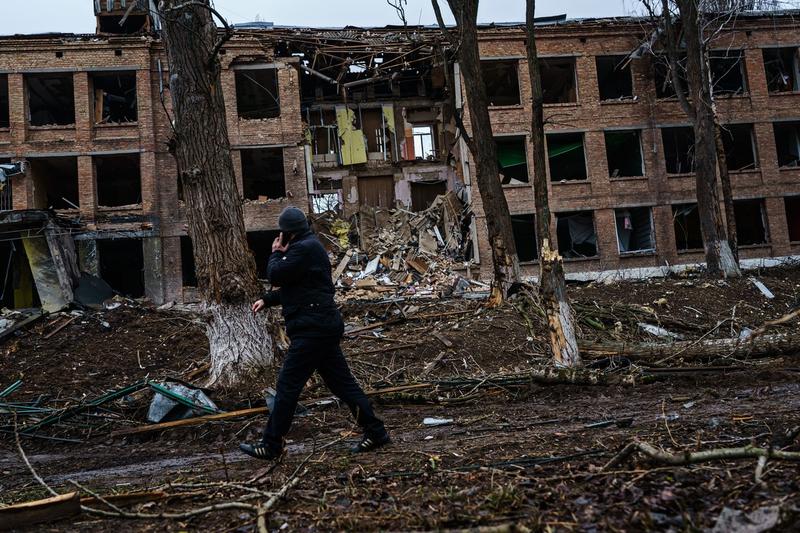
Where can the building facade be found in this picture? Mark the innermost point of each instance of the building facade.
(354, 119)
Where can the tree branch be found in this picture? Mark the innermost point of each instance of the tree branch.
(442, 26)
(672, 57)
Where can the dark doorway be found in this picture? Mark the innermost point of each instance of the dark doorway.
(423, 193)
(122, 265)
(18, 287)
(376, 191)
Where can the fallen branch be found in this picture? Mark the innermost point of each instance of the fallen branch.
(689, 458)
(766, 345)
(189, 421)
(40, 511)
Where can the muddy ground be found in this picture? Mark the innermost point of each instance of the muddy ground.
(512, 455)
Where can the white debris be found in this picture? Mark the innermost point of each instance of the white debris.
(763, 288)
(429, 421)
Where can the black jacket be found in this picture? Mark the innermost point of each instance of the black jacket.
(301, 278)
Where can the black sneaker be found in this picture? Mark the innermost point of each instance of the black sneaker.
(368, 444)
(260, 451)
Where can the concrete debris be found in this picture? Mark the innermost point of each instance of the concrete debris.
(401, 253)
(763, 288)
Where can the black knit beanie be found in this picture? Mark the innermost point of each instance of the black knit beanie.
(292, 220)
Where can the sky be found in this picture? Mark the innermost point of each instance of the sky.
(77, 16)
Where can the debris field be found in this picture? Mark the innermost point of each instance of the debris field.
(483, 435)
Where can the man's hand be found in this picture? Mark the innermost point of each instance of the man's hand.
(258, 306)
(277, 246)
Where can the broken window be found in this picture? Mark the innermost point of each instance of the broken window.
(55, 182)
(782, 68)
(686, 223)
(566, 156)
(260, 243)
(257, 93)
(327, 195)
(727, 72)
(423, 193)
(614, 77)
(188, 268)
(624, 153)
(122, 265)
(751, 222)
(262, 173)
(111, 24)
(792, 205)
(634, 229)
(740, 146)
(787, 142)
(51, 100)
(114, 97)
(5, 121)
(678, 149)
(502, 82)
(524, 228)
(663, 77)
(324, 134)
(558, 80)
(512, 160)
(576, 234)
(118, 180)
(424, 147)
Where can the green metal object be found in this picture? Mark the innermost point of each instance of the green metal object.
(183, 400)
(78, 409)
(11, 388)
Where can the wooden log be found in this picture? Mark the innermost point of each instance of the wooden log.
(40, 511)
(760, 346)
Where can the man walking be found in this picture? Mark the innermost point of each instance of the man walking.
(300, 274)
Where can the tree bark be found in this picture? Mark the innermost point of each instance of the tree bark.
(719, 257)
(226, 272)
(727, 191)
(756, 346)
(484, 152)
(552, 285)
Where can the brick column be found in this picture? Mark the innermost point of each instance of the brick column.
(87, 187)
(147, 178)
(17, 107)
(665, 234)
(83, 110)
(22, 189)
(777, 225)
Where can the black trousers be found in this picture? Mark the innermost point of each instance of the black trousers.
(323, 355)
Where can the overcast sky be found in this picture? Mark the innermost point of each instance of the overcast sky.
(77, 16)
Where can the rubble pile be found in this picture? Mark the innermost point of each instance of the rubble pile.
(400, 253)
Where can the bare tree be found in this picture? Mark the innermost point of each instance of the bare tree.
(695, 96)
(226, 274)
(481, 144)
(552, 285)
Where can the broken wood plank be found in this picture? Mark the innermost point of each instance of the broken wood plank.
(189, 421)
(61, 326)
(342, 265)
(441, 338)
(40, 511)
(430, 366)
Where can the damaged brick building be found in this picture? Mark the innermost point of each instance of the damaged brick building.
(343, 119)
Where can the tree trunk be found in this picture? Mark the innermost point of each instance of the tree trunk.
(226, 272)
(552, 285)
(719, 257)
(484, 152)
(757, 346)
(727, 192)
